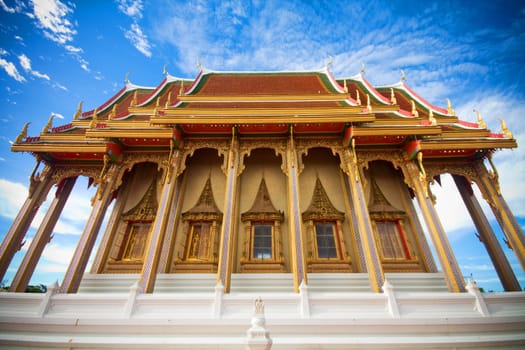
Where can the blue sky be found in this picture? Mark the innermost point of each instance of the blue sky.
(54, 54)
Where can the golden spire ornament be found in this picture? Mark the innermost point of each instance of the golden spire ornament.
(392, 97)
(504, 130)
(49, 124)
(481, 122)
(450, 110)
(23, 133)
(78, 113)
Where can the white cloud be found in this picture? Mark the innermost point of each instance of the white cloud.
(52, 18)
(131, 8)
(6, 8)
(11, 70)
(25, 62)
(12, 196)
(138, 39)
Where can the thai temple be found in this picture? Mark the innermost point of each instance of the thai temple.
(258, 210)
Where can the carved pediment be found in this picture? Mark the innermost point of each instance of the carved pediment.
(321, 208)
(146, 209)
(262, 208)
(380, 207)
(205, 209)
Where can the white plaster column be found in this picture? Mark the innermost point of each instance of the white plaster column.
(38, 190)
(42, 236)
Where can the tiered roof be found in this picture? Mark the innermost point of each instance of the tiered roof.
(263, 103)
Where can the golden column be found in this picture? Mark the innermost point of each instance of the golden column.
(416, 176)
(42, 236)
(487, 236)
(294, 215)
(363, 223)
(169, 195)
(224, 268)
(38, 190)
(489, 187)
(102, 198)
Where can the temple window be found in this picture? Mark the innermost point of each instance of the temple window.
(135, 241)
(262, 246)
(391, 239)
(201, 227)
(325, 248)
(262, 241)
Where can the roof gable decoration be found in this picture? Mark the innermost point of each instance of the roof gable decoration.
(262, 208)
(205, 209)
(321, 208)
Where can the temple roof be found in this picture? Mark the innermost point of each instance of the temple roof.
(263, 103)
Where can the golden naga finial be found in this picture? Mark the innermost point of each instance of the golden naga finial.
(126, 78)
(181, 90)
(49, 124)
(368, 105)
(505, 130)
(199, 65)
(23, 133)
(94, 120)
(450, 110)
(78, 113)
(345, 88)
(357, 98)
(135, 98)
(481, 122)
(392, 97)
(113, 112)
(403, 76)
(415, 113)
(362, 70)
(164, 70)
(168, 101)
(431, 118)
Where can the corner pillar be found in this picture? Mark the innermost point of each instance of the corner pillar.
(489, 187)
(363, 223)
(224, 268)
(38, 190)
(42, 236)
(487, 236)
(294, 216)
(81, 255)
(447, 260)
(169, 194)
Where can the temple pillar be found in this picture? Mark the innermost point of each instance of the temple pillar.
(487, 236)
(294, 216)
(169, 195)
(489, 187)
(81, 255)
(225, 264)
(363, 223)
(38, 190)
(42, 236)
(104, 245)
(447, 260)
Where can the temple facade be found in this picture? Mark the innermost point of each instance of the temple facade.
(297, 186)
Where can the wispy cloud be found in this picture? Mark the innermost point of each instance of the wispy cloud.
(138, 39)
(10, 68)
(25, 62)
(133, 9)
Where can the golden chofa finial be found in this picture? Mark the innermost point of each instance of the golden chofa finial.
(362, 70)
(126, 78)
(164, 70)
(23, 133)
(330, 62)
(357, 97)
(181, 90)
(49, 125)
(392, 97)
(199, 65)
(450, 110)
(415, 113)
(481, 122)
(403, 76)
(505, 130)
(78, 113)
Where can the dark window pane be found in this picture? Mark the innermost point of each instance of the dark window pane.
(262, 241)
(324, 233)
